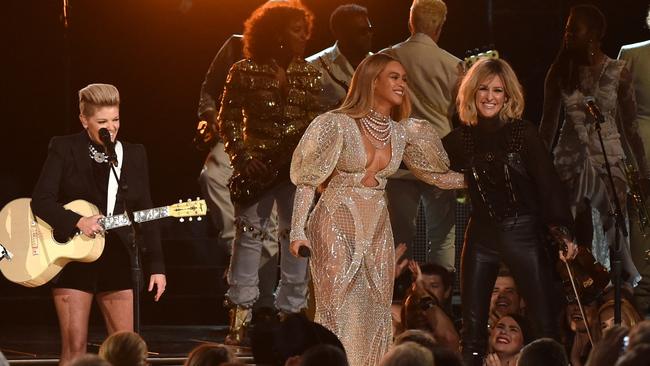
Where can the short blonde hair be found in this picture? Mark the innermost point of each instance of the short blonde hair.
(427, 16)
(97, 95)
(124, 349)
(482, 70)
(360, 97)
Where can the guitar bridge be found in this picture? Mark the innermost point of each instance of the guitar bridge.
(4, 253)
(35, 237)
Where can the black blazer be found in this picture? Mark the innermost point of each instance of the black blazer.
(67, 176)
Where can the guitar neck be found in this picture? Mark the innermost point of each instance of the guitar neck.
(115, 221)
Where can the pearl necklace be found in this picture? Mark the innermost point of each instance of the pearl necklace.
(377, 126)
(97, 156)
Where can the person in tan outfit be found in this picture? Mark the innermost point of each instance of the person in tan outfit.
(433, 77)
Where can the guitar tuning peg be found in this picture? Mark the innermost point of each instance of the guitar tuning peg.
(198, 198)
(189, 219)
(189, 200)
(180, 201)
(181, 219)
(199, 218)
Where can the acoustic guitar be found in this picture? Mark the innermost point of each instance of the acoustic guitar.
(29, 254)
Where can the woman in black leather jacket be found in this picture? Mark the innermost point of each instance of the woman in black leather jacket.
(516, 195)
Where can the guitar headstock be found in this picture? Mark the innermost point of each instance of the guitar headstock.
(188, 209)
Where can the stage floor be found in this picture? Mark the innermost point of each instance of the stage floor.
(168, 345)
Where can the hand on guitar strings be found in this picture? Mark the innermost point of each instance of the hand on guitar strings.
(90, 226)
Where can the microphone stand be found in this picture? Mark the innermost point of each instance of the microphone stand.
(615, 253)
(132, 246)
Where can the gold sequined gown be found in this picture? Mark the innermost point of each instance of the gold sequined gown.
(352, 260)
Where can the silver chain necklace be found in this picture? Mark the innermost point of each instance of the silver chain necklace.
(378, 127)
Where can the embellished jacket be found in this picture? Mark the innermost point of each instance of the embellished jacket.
(259, 120)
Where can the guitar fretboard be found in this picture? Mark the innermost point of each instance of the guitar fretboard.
(115, 221)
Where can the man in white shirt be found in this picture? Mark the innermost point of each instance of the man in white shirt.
(351, 27)
(637, 57)
(433, 75)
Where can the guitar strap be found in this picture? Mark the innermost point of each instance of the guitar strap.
(112, 182)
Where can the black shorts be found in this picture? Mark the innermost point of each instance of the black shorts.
(110, 272)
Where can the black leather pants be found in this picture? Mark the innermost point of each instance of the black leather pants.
(518, 244)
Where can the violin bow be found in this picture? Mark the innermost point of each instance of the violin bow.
(582, 311)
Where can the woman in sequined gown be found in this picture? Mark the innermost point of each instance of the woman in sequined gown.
(347, 154)
(580, 72)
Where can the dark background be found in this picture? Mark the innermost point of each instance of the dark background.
(157, 51)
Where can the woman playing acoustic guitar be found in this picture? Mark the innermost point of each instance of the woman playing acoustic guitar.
(76, 168)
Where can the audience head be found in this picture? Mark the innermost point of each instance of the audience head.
(274, 342)
(124, 349)
(277, 30)
(490, 89)
(407, 354)
(605, 318)
(640, 334)
(210, 355)
(351, 27)
(505, 296)
(428, 17)
(437, 281)
(509, 335)
(324, 355)
(638, 356)
(421, 337)
(543, 352)
(88, 359)
(441, 355)
(375, 81)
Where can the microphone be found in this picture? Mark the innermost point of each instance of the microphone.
(304, 252)
(109, 146)
(590, 103)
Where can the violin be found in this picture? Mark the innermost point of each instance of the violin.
(589, 275)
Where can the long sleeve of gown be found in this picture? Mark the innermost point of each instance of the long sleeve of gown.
(313, 162)
(426, 158)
